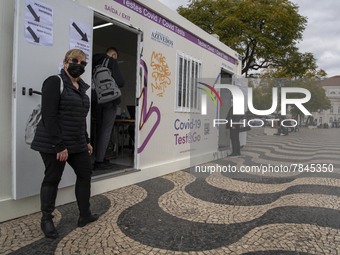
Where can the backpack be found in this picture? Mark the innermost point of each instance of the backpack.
(105, 86)
(35, 117)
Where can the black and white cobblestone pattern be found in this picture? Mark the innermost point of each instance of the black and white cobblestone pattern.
(225, 213)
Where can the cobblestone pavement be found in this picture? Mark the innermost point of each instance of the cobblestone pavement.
(283, 203)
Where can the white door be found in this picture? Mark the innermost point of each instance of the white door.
(44, 31)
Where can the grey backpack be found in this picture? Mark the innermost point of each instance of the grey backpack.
(105, 86)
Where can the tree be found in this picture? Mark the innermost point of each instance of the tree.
(262, 94)
(265, 33)
(296, 66)
(299, 70)
(318, 102)
(262, 31)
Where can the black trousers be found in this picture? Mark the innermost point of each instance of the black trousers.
(81, 164)
(235, 140)
(105, 119)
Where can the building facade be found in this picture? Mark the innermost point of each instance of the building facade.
(330, 117)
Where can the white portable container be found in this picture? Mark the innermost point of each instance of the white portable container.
(163, 58)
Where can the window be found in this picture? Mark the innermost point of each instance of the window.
(188, 73)
(338, 109)
(331, 109)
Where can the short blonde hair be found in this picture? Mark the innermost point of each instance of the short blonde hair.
(74, 53)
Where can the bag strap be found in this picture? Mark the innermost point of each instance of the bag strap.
(61, 84)
(106, 62)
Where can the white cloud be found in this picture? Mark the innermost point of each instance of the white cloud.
(174, 4)
(321, 36)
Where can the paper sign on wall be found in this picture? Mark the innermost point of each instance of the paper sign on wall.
(80, 36)
(38, 23)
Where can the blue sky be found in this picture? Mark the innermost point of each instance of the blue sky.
(321, 36)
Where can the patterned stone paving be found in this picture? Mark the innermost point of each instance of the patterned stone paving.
(201, 213)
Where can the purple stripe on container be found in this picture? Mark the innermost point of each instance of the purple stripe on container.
(155, 17)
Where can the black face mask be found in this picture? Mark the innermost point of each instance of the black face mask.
(75, 70)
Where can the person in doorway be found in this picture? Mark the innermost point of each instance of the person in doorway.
(234, 132)
(106, 113)
(61, 137)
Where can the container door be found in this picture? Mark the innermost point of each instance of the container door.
(44, 31)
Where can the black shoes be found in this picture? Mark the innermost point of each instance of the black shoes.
(84, 220)
(48, 228)
(102, 165)
(234, 155)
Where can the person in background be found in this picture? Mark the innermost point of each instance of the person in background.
(234, 132)
(281, 130)
(61, 137)
(106, 113)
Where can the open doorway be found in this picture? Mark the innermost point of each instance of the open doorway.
(120, 154)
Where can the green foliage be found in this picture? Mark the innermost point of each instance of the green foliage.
(319, 100)
(262, 94)
(265, 33)
(262, 31)
(296, 66)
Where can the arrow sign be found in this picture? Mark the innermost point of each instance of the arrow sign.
(83, 35)
(36, 17)
(35, 37)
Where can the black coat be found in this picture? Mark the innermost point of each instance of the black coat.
(235, 118)
(63, 123)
